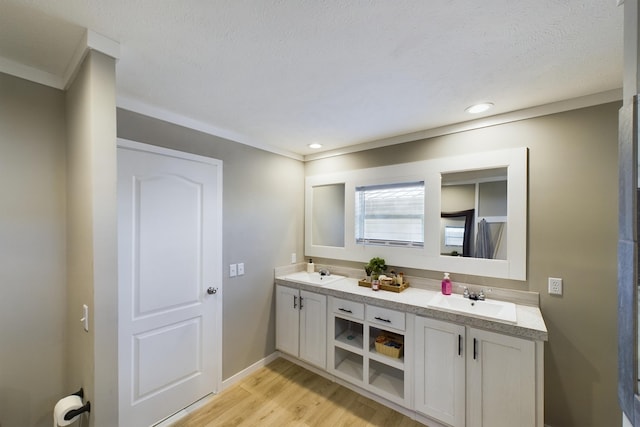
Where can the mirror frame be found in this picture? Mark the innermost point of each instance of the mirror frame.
(431, 171)
(628, 218)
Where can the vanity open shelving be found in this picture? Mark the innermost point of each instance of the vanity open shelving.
(347, 349)
(352, 352)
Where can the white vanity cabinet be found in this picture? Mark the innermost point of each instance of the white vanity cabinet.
(440, 370)
(301, 324)
(471, 377)
(352, 353)
(501, 380)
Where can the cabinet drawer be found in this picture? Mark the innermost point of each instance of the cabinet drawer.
(386, 317)
(347, 308)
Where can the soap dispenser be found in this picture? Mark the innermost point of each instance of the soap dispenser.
(446, 285)
(311, 267)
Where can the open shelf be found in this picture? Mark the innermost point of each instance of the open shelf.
(396, 362)
(348, 334)
(349, 364)
(386, 379)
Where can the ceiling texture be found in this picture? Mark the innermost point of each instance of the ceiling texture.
(281, 74)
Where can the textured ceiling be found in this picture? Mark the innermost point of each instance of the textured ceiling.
(284, 73)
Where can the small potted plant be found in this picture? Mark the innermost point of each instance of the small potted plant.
(375, 267)
(367, 271)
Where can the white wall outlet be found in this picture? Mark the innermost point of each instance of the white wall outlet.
(555, 286)
(233, 270)
(293, 258)
(240, 268)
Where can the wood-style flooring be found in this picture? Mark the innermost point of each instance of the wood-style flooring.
(285, 394)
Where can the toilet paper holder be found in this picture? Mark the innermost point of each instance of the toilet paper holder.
(85, 408)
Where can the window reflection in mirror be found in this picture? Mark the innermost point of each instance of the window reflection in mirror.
(328, 215)
(390, 214)
(474, 204)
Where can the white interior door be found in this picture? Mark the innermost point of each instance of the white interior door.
(169, 290)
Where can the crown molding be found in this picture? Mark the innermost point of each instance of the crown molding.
(528, 113)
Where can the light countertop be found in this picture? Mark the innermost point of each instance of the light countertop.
(529, 325)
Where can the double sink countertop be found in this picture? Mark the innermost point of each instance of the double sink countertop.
(419, 300)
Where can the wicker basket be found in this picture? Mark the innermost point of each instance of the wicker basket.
(389, 346)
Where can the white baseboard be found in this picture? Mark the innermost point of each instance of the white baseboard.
(249, 370)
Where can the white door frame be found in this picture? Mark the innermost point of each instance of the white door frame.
(133, 145)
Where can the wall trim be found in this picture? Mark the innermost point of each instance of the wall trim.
(89, 41)
(513, 116)
(140, 107)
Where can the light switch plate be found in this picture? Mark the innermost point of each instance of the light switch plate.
(233, 270)
(85, 317)
(240, 268)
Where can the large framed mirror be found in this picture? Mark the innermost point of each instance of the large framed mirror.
(420, 220)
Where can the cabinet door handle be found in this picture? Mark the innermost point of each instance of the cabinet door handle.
(459, 345)
(475, 349)
(382, 320)
(295, 301)
(301, 303)
(345, 310)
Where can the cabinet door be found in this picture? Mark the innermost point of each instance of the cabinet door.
(287, 318)
(501, 389)
(440, 370)
(313, 328)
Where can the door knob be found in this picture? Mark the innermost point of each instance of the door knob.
(212, 291)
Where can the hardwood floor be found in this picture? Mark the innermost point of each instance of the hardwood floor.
(285, 394)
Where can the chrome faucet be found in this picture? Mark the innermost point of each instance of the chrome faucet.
(475, 296)
(324, 272)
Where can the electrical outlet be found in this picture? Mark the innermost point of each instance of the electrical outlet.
(240, 268)
(555, 286)
(233, 270)
(293, 258)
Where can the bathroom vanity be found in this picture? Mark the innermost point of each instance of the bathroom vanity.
(442, 364)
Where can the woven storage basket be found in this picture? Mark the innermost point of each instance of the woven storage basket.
(389, 346)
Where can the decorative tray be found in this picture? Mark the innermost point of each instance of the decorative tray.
(384, 287)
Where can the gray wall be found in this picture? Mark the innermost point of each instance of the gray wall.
(262, 225)
(32, 252)
(572, 234)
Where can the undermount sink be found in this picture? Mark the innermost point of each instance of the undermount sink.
(487, 309)
(312, 278)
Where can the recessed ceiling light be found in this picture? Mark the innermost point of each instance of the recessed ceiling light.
(479, 108)
(315, 145)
